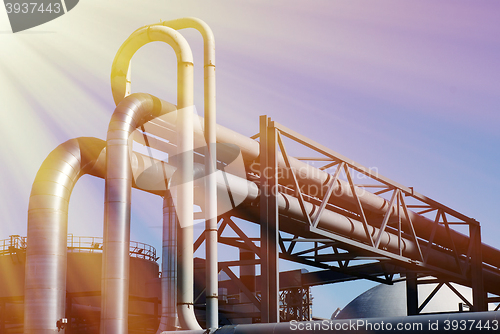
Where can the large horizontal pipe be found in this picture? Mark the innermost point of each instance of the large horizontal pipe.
(233, 190)
(419, 324)
(247, 191)
(48, 212)
(316, 180)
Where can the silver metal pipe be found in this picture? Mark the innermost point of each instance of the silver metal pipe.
(131, 113)
(419, 324)
(316, 180)
(120, 79)
(334, 222)
(50, 191)
(46, 264)
(46, 255)
(348, 227)
(169, 319)
(210, 211)
(248, 146)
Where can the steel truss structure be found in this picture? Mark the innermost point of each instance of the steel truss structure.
(296, 304)
(341, 256)
(320, 217)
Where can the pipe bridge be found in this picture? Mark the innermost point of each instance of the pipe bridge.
(317, 208)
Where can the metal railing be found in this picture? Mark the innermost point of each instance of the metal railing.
(11, 245)
(79, 244)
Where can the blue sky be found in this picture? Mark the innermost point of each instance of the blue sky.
(409, 88)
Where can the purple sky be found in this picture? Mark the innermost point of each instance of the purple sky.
(409, 88)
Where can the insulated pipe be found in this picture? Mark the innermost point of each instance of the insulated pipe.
(315, 179)
(337, 223)
(210, 211)
(45, 281)
(130, 113)
(51, 190)
(418, 324)
(46, 265)
(120, 79)
(168, 319)
(226, 135)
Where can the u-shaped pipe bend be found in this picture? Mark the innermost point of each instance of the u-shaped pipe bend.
(46, 255)
(118, 181)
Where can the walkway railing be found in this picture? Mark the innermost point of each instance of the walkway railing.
(80, 245)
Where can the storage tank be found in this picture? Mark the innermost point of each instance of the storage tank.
(83, 295)
(390, 301)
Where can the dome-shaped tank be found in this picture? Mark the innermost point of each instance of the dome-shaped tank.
(390, 301)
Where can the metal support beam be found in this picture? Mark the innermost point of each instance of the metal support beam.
(269, 222)
(411, 294)
(478, 293)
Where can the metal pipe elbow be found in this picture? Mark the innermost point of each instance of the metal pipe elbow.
(120, 70)
(46, 255)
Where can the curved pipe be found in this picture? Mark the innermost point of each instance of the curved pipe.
(120, 69)
(120, 81)
(46, 255)
(210, 209)
(51, 192)
(46, 264)
(293, 222)
(131, 113)
(418, 324)
(317, 180)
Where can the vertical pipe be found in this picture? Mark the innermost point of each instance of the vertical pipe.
(45, 281)
(212, 318)
(168, 320)
(131, 113)
(211, 239)
(185, 197)
(264, 238)
(184, 122)
(273, 224)
(116, 234)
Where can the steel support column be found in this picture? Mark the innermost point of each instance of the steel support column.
(479, 297)
(411, 293)
(247, 272)
(269, 222)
